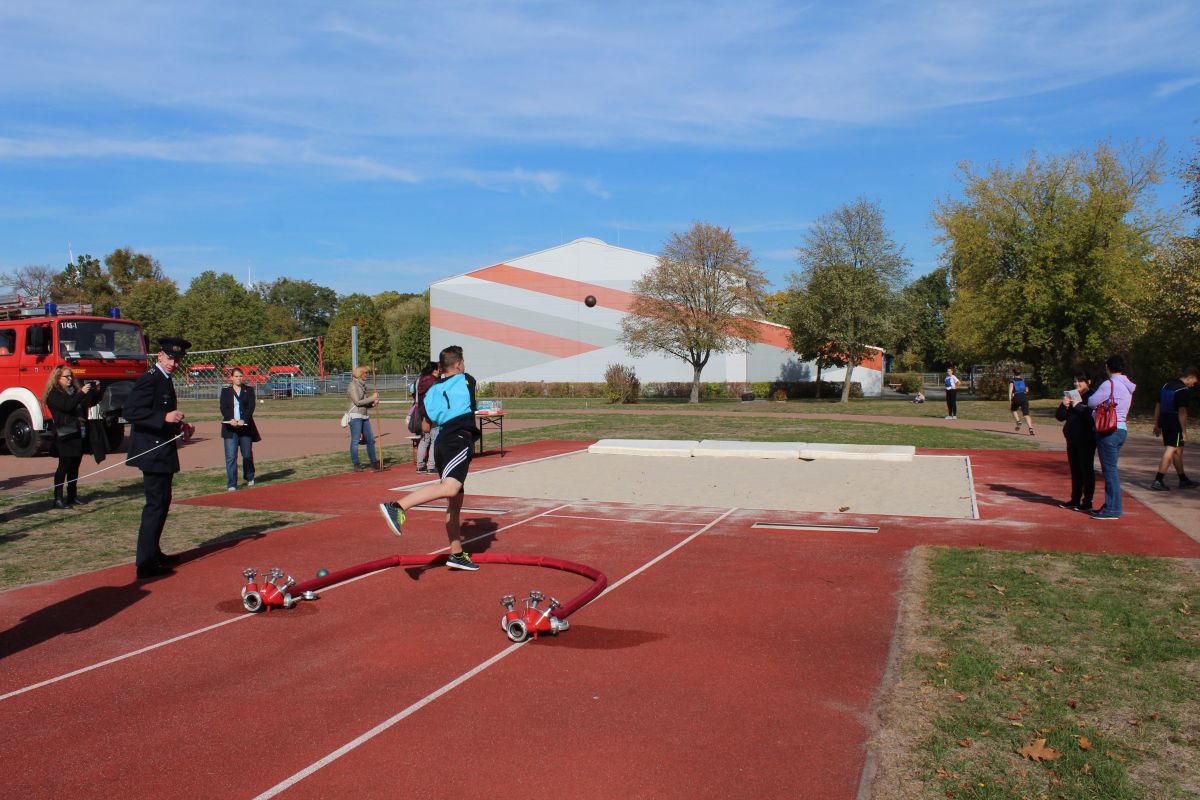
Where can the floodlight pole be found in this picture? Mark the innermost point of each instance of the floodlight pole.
(353, 347)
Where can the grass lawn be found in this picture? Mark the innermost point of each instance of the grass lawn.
(1094, 657)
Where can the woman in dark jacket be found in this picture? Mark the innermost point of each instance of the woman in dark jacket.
(1080, 433)
(238, 429)
(68, 402)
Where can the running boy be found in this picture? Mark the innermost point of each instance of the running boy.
(1170, 418)
(450, 405)
(1018, 401)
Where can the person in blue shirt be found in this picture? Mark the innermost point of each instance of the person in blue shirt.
(952, 383)
(1018, 401)
(1170, 419)
(450, 405)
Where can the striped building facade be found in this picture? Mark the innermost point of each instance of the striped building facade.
(526, 320)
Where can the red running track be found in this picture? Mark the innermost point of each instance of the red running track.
(741, 663)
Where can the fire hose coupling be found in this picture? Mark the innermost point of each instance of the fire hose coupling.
(519, 625)
(273, 591)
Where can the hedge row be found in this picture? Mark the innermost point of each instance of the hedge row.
(910, 382)
(766, 390)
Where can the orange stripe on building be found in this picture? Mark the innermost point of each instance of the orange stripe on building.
(508, 275)
(510, 335)
(773, 335)
(554, 286)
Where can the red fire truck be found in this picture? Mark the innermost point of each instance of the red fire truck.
(33, 342)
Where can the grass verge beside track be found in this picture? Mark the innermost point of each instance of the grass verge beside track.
(39, 542)
(1094, 655)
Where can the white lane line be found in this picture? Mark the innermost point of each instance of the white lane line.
(629, 521)
(353, 744)
(971, 487)
(222, 623)
(387, 723)
(419, 484)
(121, 657)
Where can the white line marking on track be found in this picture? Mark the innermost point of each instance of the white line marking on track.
(222, 623)
(629, 521)
(291, 781)
(408, 486)
(971, 487)
(121, 657)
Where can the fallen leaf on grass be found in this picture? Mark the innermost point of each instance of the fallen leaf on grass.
(999, 589)
(1038, 751)
(1012, 715)
(1028, 570)
(1185, 608)
(959, 696)
(1116, 757)
(1085, 743)
(964, 742)
(1072, 703)
(1057, 668)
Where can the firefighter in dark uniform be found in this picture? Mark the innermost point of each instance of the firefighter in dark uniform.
(154, 423)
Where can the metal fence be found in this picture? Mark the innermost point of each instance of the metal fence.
(284, 387)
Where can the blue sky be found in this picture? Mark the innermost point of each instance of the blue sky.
(384, 145)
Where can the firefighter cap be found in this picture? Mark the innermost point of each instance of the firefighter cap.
(174, 347)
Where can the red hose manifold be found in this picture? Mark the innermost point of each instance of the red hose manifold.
(518, 625)
(273, 591)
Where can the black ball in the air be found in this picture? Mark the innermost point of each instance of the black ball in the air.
(590, 301)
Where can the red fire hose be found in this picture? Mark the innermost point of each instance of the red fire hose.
(517, 624)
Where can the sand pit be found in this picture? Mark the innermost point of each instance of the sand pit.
(927, 486)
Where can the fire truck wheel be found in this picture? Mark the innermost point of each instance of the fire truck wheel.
(19, 436)
(115, 434)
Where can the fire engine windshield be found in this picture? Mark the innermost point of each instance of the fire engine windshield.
(93, 338)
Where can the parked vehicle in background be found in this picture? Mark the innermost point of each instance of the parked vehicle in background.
(254, 374)
(111, 352)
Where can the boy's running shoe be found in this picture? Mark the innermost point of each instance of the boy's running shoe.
(1187, 483)
(1158, 486)
(461, 561)
(393, 514)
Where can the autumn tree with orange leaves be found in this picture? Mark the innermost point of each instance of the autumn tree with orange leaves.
(699, 299)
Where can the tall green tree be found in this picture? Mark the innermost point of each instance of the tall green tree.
(218, 312)
(126, 268)
(311, 305)
(84, 281)
(355, 310)
(699, 299)
(811, 315)
(153, 302)
(849, 264)
(921, 321)
(1171, 306)
(411, 342)
(1050, 258)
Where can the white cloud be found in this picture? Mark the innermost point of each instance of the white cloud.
(456, 75)
(1165, 90)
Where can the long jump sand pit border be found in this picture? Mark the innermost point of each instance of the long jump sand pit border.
(926, 486)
